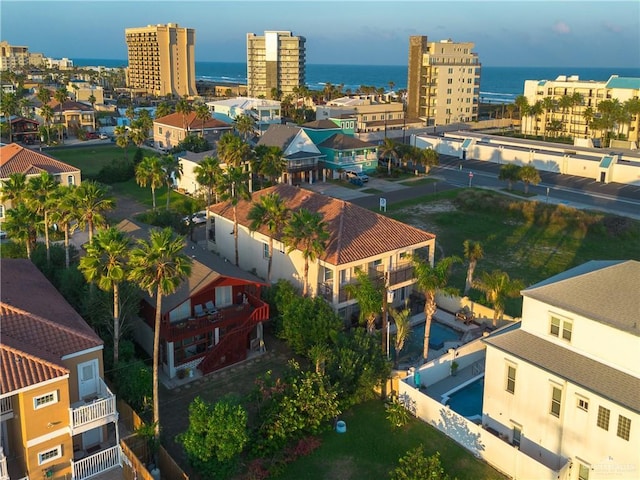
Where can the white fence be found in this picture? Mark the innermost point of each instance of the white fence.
(481, 443)
(96, 463)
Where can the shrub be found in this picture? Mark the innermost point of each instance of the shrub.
(119, 170)
(416, 465)
(164, 218)
(397, 414)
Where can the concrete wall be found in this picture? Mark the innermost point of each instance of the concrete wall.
(482, 314)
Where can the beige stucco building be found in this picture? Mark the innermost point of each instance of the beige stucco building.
(275, 60)
(443, 83)
(162, 59)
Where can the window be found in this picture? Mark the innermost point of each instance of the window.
(44, 400)
(624, 427)
(561, 324)
(583, 404)
(70, 180)
(603, 417)
(511, 379)
(160, 130)
(583, 472)
(556, 399)
(48, 455)
(450, 81)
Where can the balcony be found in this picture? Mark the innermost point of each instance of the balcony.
(93, 411)
(97, 463)
(6, 408)
(401, 274)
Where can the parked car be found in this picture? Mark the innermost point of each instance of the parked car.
(3, 235)
(92, 135)
(103, 136)
(197, 218)
(353, 174)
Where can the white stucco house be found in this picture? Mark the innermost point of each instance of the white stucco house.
(359, 239)
(189, 161)
(559, 393)
(264, 112)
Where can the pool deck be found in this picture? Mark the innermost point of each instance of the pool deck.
(438, 389)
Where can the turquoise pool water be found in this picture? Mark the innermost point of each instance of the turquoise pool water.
(468, 400)
(439, 334)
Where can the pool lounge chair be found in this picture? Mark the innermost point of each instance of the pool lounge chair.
(199, 311)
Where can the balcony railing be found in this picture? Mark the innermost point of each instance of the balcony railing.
(95, 411)
(97, 463)
(4, 472)
(6, 406)
(401, 274)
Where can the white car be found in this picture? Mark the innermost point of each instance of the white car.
(197, 218)
(351, 174)
(103, 136)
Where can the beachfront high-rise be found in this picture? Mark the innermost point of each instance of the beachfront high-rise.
(275, 63)
(162, 59)
(443, 84)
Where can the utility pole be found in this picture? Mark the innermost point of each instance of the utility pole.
(385, 315)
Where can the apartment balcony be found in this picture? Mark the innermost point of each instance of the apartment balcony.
(93, 411)
(6, 408)
(98, 463)
(401, 274)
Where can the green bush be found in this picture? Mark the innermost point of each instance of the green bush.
(119, 171)
(164, 218)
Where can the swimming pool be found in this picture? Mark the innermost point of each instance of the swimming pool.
(439, 334)
(467, 401)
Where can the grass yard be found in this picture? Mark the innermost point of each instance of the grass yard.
(370, 449)
(91, 159)
(372, 190)
(419, 181)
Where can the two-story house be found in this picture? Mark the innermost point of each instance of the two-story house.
(72, 115)
(565, 386)
(15, 158)
(359, 240)
(170, 130)
(58, 418)
(344, 152)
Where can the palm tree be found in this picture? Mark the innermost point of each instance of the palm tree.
(534, 111)
(92, 101)
(510, 173)
(14, 189)
(150, 172)
(65, 215)
(44, 95)
(548, 105)
(472, 252)
(184, 108)
(207, 174)
(21, 225)
(203, 114)
(306, 231)
(92, 201)
(46, 112)
(39, 194)
(403, 330)
(389, 150)
(159, 266)
(122, 138)
(271, 162)
(430, 279)
(163, 110)
(497, 287)
(172, 171)
(369, 295)
(272, 212)
(61, 95)
(232, 150)
(245, 125)
(105, 264)
(9, 107)
(529, 175)
(233, 186)
(139, 132)
(522, 104)
(588, 115)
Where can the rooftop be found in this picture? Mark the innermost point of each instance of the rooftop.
(15, 158)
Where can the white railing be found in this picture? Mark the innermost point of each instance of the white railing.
(4, 472)
(97, 463)
(6, 405)
(102, 407)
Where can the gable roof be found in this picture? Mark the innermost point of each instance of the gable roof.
(56, 106)
(603, 380)
(605, 291)
(19, 369)
(15, 158)
(279, 136)
(191, 121)
(355, 233)
(340, 141)
(322, 124)
(206, 268)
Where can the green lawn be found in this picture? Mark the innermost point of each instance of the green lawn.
(419, 181)
(91, 159)
(370, 449)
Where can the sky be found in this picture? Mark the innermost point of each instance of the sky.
(369, 32)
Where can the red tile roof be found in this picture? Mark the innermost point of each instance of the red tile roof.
(19, 370)
(69, 105)
(193, 123)
(355, 232)
(17, 159)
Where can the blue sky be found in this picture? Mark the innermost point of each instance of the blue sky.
(506, 33)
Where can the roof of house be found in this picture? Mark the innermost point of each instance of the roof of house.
(197, 157)
(603, 380)
(355, 232)
(323, 124)
(67, 105)
(38, 325)
(340, 141)
(279, 136)
(206, 268)
(191, 121)
(246, 103)
(15, 158)
(605, 291)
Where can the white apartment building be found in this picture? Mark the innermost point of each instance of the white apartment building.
(572, 116)
(264, 112)
(565, 387)
(443, 83)
(275, 60)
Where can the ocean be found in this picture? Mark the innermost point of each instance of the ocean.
(497, 84)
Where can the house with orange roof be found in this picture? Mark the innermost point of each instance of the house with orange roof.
(15, 158)
(72, 115)
(170, 130)
(359, 240)
(58, 418)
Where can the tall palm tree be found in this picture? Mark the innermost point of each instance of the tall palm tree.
(233, 186)
(92, 201)
(272, 212)
(21, 225)
(430, 279)
(498, 287)
(369, 295)
(172, 171)
(245, 125)
(105, 264)
(159, 266)
(548, 105)
(184, 108)
(203, 114)
(44, 95)
(39, 194)
(92, 100)
(529, 175)
(389, 151)
(163, 110)
(472, 253)
(66, 215)
(403, 330)
(14, 189)
(61, 95)
(306, 231)
(139, 132)
(232, 150)
(150, 172)
(271, 162)
(122, 138)
(9, 107)
(46, 112)
(534, 111)
(208, 173)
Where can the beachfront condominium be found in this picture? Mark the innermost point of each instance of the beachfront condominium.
(162, 60)
(13, 57)
(275, 64)
(443, 84)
